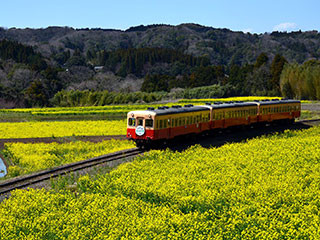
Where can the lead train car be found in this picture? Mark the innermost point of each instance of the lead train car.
(145, 127)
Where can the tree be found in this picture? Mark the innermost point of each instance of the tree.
(261, 59)
(275, 70)
(35, 94)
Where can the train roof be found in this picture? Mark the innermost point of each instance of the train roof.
(233, 105)
(179, 109)
(165, 110)
(282, 101)
(252, 103)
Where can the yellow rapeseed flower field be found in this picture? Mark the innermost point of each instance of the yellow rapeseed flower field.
(30, 157)
(265, 188)
(61, 128)
(121, 109)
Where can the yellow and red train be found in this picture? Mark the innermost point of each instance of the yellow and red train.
(151, 125)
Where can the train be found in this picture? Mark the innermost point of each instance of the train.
(153, 126)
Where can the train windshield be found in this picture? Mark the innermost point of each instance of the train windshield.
(149, 123)
(140, 122)
(132, 122)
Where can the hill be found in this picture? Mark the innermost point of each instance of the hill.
(148, 58)
(222, 46)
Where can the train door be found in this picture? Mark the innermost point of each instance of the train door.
(140, 121)
(140, 129)
(198, 117)
(170, 125)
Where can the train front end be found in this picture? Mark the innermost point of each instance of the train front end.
(140, 127)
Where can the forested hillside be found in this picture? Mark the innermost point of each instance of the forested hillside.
(35, 64)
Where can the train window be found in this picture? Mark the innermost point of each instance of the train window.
(165, 123)
(140, 122)
(149, 123)
(172, 123)
(160, 125)
(132, 122)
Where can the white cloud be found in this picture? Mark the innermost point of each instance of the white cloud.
(247, 30)
(285, 27)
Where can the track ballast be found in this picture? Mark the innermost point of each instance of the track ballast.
(27, 180)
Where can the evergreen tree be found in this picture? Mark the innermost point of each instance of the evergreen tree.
(275, 70)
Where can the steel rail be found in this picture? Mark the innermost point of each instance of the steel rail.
(27, 180)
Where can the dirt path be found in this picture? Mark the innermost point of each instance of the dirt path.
(314, 107)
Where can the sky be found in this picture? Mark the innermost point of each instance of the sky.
(247, 15)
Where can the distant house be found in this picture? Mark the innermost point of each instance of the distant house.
(98, 68)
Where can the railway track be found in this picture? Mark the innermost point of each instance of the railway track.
(308, 121)
(27, 180)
